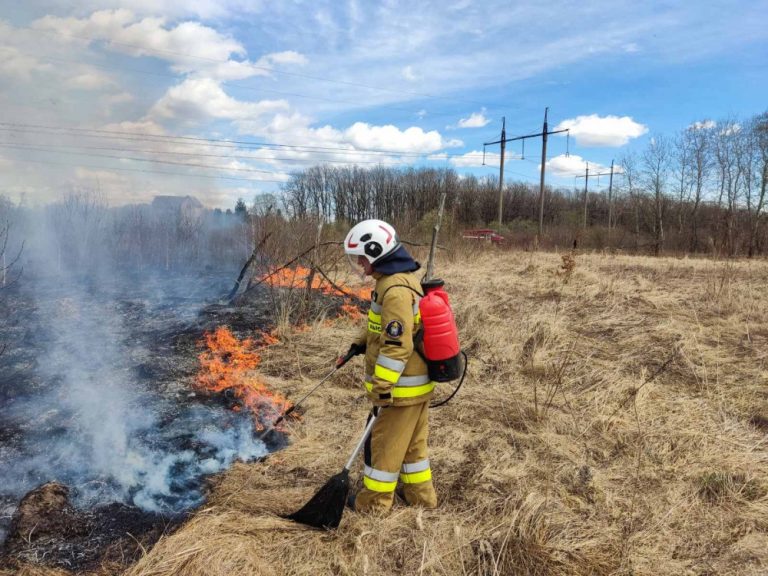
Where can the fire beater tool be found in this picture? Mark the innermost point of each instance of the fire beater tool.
(326, 507)
(341, 360)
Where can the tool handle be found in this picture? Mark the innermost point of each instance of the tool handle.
(353, 351)
(361, 442)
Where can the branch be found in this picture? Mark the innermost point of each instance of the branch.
(335, 287)
(248, 263)
(634, 392)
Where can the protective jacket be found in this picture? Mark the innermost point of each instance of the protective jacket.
(397, 449)
(394, 372)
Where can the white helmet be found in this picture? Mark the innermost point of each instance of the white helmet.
(373, 239)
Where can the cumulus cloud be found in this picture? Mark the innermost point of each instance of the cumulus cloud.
(197, 99)
(190, 47)
(391, 138)
(475, 120)
(475, 159)
(611, 131)
(18, 66)
(703, 125)
(91, 80)
(568, 166)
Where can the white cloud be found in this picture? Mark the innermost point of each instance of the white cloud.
(611, 131)
(390, 138)
(409, 74)
(476, 159)
(18, 66)
(191, 47)
(197, 99)
(569, 166)
(148, 36)
(475, 120)
(91, 80)
(704, 125)
(286, 57)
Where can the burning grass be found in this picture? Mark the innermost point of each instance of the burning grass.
(610, 424)
(228, 365)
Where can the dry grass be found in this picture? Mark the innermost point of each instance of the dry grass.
(611, 424)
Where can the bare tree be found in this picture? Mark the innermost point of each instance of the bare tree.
(10, 271)
(756, 188)
(655, 162)
(698, 139)
(727, 148)
(630, 171)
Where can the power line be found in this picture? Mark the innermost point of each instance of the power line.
(192, 140)
(143, 171)
(192, 165)
(196, 154)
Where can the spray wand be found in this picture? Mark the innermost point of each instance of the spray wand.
(340, 361)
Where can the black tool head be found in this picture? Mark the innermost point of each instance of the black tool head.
(325, 508)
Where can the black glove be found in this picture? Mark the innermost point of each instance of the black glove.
(353, 351)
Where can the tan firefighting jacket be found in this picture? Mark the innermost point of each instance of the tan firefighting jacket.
(394, 371)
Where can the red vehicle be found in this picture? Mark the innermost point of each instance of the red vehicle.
(483, 234)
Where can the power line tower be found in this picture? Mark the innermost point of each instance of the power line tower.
(586, 177)
(544, 133)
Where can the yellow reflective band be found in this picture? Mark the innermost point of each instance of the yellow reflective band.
(416, 477)
(374, 322)
(390, 376)
(407, 391)
(378, 485)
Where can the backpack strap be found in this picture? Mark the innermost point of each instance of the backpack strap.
(418, 335)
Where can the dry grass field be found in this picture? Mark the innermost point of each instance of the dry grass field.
(614, 421)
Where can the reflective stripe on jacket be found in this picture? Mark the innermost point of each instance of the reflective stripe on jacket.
(393, 368)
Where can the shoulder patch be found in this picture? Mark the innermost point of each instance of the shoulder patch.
(394, 329)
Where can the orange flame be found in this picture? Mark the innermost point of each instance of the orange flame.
(299, 276)
(228, 363)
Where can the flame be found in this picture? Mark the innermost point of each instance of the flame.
(228, 363)
(298, 277)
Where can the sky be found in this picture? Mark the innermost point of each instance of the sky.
(223, 99)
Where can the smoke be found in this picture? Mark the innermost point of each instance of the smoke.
(82, 415)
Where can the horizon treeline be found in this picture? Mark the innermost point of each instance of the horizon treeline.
(701, 190)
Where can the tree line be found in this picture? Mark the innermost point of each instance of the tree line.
(700, 190)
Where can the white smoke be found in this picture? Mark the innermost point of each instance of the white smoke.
(84, 418)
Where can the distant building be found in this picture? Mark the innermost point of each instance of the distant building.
(188, 207)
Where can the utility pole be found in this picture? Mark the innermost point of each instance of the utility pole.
(586, 177)
(610, 204)
(503, 141)
(541, 181)
(544, 133)
(586, 182)
(501, 168)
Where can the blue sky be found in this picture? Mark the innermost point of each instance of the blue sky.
(97, 94)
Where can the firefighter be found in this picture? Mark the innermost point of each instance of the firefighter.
(396, 378)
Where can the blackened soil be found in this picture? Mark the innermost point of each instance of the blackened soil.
(47, 530)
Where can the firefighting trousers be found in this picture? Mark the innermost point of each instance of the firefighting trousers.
(396, 451)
